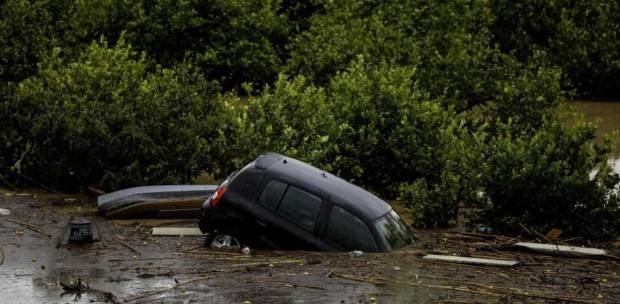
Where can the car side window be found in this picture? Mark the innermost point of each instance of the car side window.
(301, 207)
(271, 195)
(349, 232)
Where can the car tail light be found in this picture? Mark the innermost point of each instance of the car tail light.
(218, 195)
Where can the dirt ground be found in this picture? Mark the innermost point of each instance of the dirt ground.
(131, 266)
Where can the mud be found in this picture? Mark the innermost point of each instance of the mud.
(38, 269)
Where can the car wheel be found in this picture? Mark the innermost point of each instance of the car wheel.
(224, 241)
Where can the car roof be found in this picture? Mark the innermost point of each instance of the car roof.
(341, 192)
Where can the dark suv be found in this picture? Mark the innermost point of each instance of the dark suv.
(285, 203)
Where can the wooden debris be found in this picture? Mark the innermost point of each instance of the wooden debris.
(205, 252)
(472, 261)
(561, 249)
(31, 227)
(177, 231)
(155, 292)
(553, 234)
(116, 239)
(99, 231)
(268, 263)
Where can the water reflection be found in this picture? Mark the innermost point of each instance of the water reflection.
(608, 114)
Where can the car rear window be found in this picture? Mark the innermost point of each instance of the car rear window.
(271, 195)
(349, 232)
(300, 207)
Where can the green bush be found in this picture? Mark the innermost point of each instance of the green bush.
(580, 37)
(26, 34)
(556, 178)
(370, 125)
(443, 103)
(110, 118)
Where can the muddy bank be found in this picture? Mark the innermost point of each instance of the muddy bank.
(131, 266)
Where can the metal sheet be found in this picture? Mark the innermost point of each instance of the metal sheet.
(154, 194)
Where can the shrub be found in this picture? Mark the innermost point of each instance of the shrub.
(556, 178)
(110, 118)
(370, 125)
(581, 37)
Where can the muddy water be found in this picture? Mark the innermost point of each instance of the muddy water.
(34, 268)
(607, 113)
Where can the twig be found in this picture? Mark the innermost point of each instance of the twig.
(209, 253)
(38, 183)
(498, 237)
(151, 293)
(99, 231)
(136, 260)
(125, 244)
(192, 248)
(6, 182)
(536, 233)
(296, 285)
(267, 263)
(357, 279)
(30, 227)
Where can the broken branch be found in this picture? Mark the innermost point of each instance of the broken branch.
(30, 227)
(125, 244)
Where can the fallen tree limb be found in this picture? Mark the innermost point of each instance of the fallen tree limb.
(31, 227)
(209, 253)
(6, 182)
(155, 292)
(268, 263)
(125, 245)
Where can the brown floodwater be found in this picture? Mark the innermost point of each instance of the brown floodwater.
(607, 114)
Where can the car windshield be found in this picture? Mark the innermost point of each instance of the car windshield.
(394, 231)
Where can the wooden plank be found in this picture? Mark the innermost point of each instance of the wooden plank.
(561, 249)
(472, 261)
(177, 231)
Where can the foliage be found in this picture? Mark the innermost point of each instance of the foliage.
(441, 102)
(109, 118)
(233, 41)
(26, 36)
(581, 37)
(371, 125)
(546, 180)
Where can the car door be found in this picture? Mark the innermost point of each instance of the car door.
(348, 232)
(290, 215)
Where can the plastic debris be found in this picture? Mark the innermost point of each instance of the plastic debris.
(356, 253)
(553, 234)
(246, 250)
(485, 229)
(80, 231)
(224, 241)
(5, 211)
